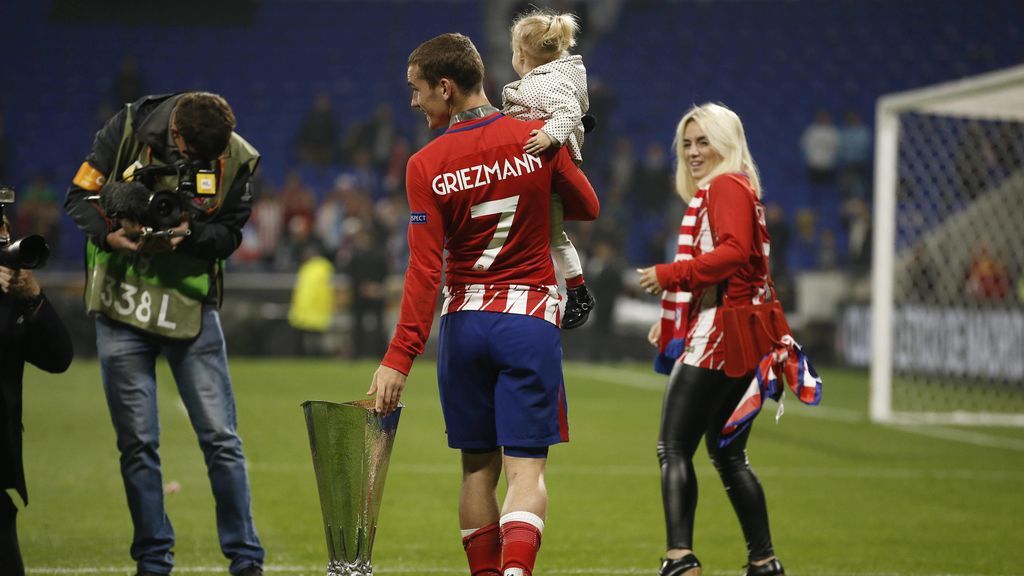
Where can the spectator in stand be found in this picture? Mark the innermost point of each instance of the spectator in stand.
(827, 254)
(922, 276)
(652, 181)
(977, 161)
(622, 167)
(423, 135)
(855, 158)
(298, 244)
(38, 212)
(364, 173)
(778, 230)
(297, 198)
(101, 114)
(820, 145)
(368, 271)
(651, 185)
(778, 263)
(330, 215)
(606, 269)
(856, 216)
(268, 221)
(805, 253)
(602, 103)
(377, 136)
(129, 85)
(987, 278)
(312, 305)
(317, 140)
(391, 220)
(394, 174)
(382, 136)
(248, 257)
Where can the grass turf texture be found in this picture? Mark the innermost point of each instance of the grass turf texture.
(845, 497)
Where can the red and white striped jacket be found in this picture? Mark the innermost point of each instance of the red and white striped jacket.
(729, 267)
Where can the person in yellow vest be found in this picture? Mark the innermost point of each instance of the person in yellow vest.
(312, 308)
(156, 291)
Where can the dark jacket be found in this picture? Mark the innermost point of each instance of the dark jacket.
(40, 339)
(211, 239)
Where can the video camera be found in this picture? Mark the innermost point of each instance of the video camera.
(30, 252)
(156, 209)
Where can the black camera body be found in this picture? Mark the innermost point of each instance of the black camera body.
(30, 252)
(154, 207)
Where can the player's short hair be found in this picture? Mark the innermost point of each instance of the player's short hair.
(724, 131)
(451, 56)
(544, 35)
(205, 121)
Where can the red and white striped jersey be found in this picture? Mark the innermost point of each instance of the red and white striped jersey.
(475, 193)
(729, 266)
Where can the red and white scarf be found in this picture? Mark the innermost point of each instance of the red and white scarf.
(675, 302)
(788, 362)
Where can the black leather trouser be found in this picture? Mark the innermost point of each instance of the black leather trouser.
(10, 555)
(697, 403)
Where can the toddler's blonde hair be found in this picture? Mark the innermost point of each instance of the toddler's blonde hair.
(544, 35)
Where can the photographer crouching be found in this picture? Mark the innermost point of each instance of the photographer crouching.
(162, 198)
(30, 331)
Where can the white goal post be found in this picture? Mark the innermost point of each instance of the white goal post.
(947, 343)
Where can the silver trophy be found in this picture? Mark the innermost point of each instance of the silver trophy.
(351, 447)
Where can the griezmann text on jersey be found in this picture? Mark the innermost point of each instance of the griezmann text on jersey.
(483, 174)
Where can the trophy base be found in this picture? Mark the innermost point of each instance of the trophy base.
(336, 568)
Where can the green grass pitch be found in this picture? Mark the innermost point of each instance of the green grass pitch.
(845, 497)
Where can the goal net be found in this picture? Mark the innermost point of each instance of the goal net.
(947, 308)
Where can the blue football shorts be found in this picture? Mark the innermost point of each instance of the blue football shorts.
(500, 378)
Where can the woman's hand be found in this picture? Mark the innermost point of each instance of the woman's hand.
(649, 280)
(654, 334)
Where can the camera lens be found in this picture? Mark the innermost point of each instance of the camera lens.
(165, 210)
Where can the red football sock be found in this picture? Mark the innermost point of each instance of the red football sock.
(483, 550)
(520, 541)
(574, 282)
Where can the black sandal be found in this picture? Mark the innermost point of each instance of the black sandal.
(679, 566)
(770, 568)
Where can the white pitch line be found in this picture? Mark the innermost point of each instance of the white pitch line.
(961, 435)
(454, 571)
(272, 569)
(887, 473)
(634, 379)
(620, 376)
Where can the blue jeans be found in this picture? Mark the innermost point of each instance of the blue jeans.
(200, 367)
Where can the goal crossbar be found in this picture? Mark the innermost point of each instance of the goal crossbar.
(996, 96)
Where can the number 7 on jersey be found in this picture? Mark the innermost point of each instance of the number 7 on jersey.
(507, 208)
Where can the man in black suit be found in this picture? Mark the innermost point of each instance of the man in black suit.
(30, 331)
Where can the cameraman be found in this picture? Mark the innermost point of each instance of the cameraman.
(31, 331)
(160, 295)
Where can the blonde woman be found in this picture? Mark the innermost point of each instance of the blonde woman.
(722, 264)
(553, 87)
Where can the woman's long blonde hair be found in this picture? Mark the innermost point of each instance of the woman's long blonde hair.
(544, 35)
(724, 132)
